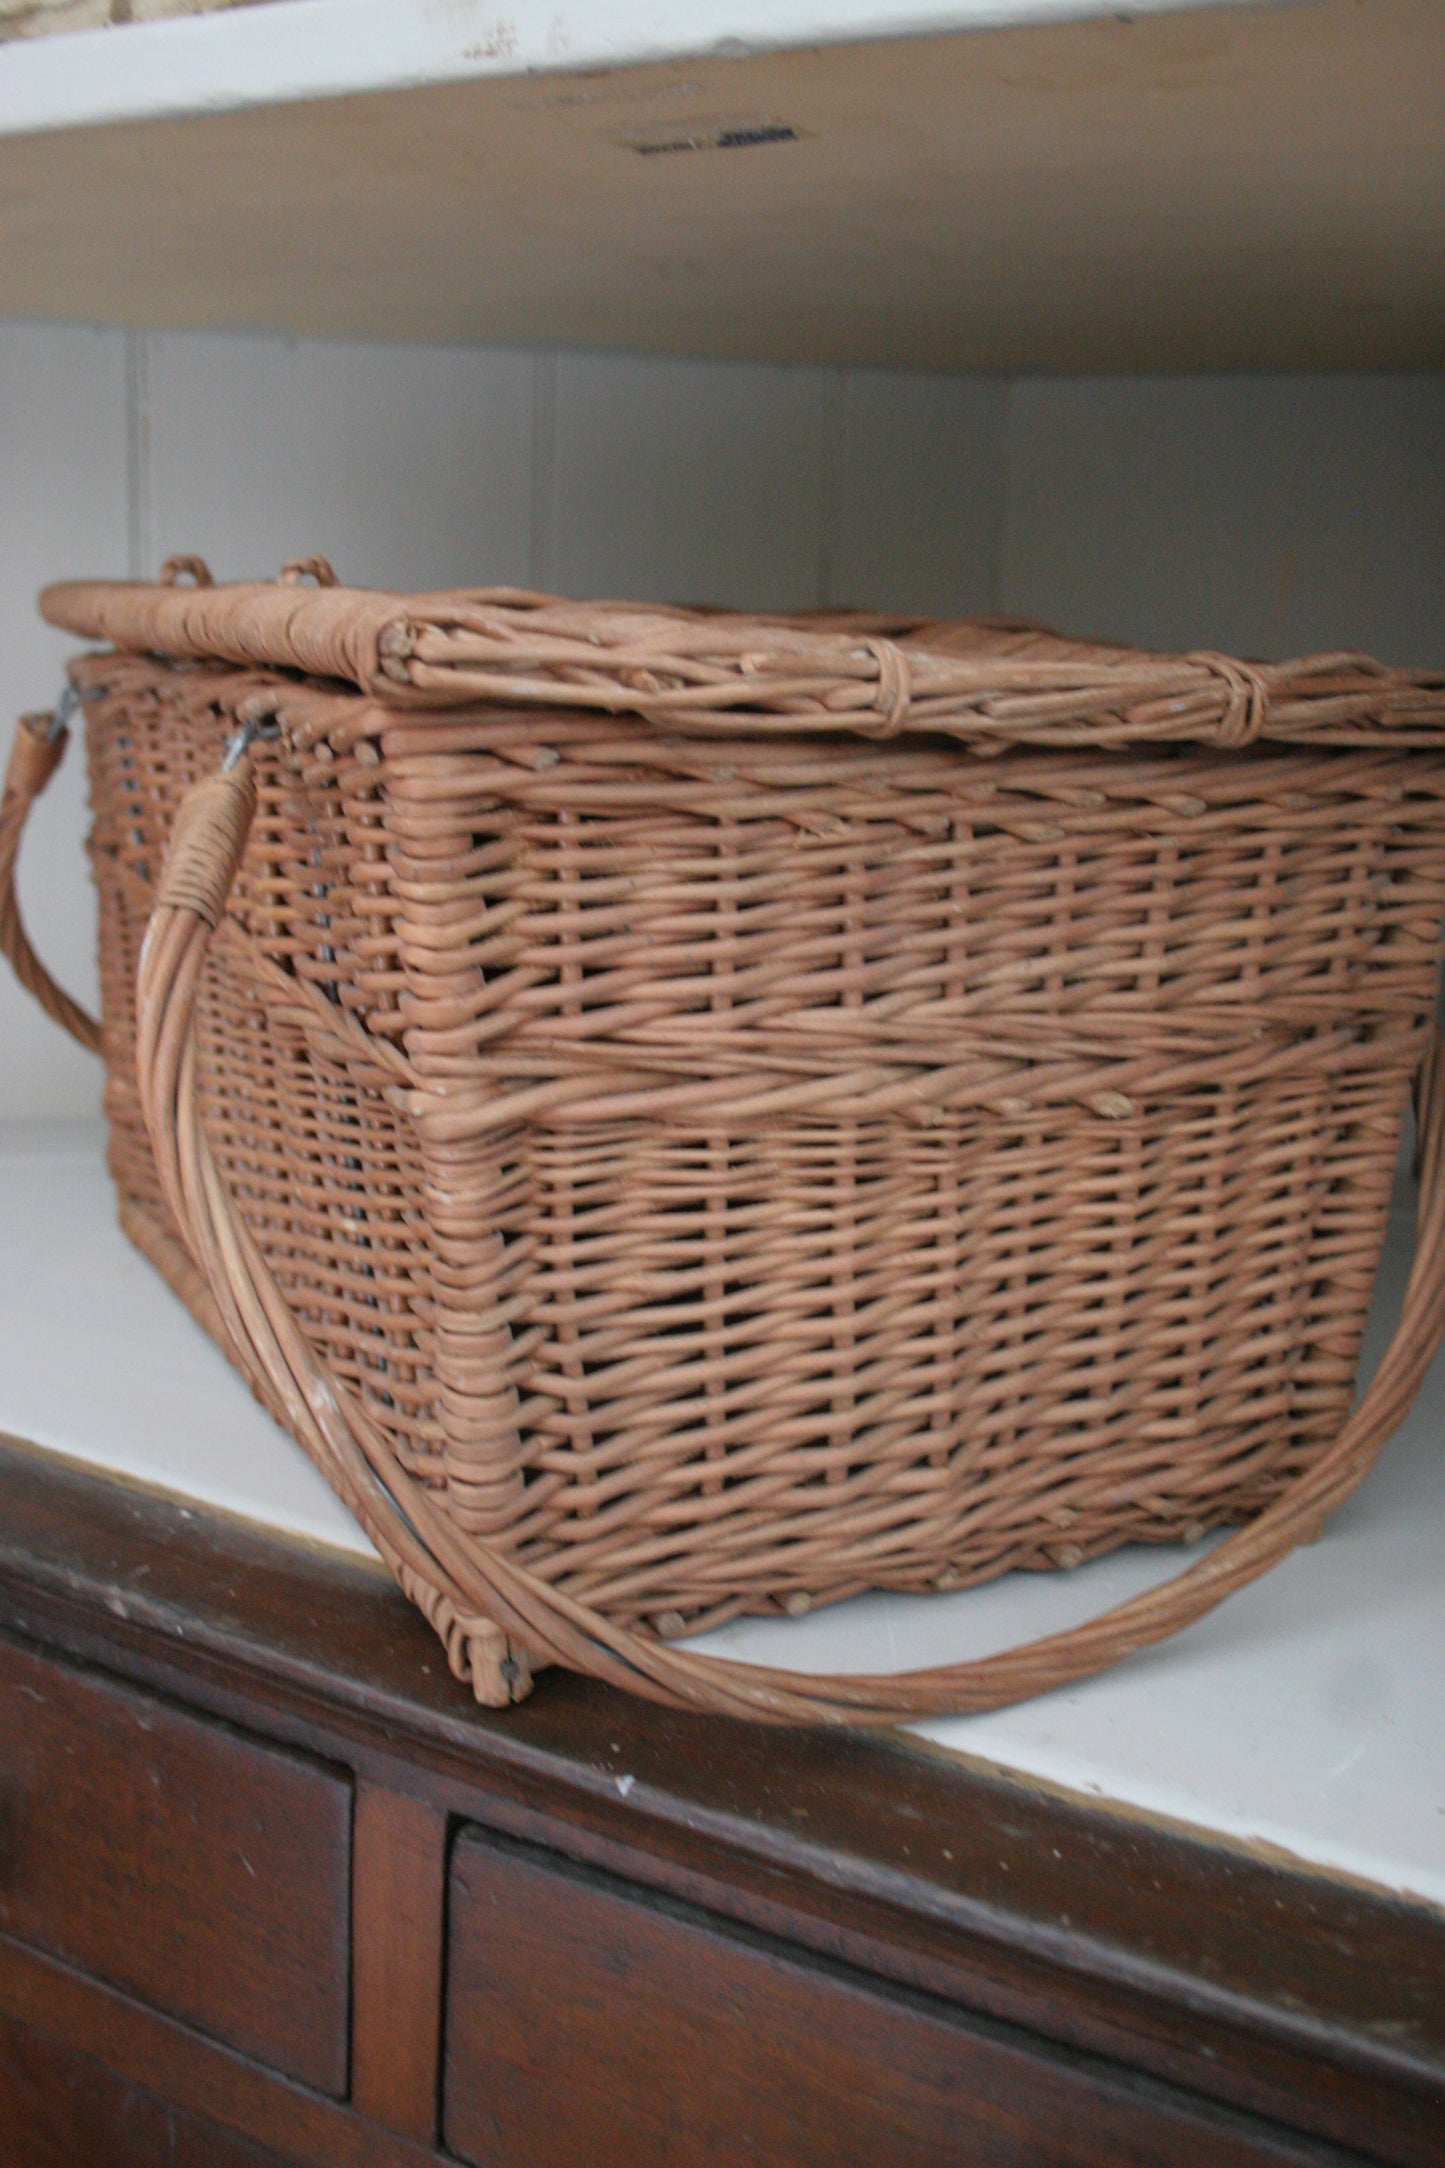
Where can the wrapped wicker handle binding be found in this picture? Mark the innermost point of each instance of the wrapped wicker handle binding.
(465, 1585)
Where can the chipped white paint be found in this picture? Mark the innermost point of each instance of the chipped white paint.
(297, 49)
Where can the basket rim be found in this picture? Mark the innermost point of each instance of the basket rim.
(989, 682)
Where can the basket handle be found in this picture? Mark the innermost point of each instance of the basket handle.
(460, 1578)
(39, 748)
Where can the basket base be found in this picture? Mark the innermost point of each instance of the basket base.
(479, 1652)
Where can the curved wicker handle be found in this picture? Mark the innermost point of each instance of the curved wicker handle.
(37, 752)
(454, 1577)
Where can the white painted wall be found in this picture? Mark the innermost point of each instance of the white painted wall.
(1259, 515)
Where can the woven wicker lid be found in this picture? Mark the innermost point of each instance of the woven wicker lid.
(989, 682)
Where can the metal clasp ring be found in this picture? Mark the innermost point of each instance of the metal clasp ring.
(246, 734)
(64, 708)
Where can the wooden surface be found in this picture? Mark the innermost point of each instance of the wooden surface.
(204, 1874)
(397, 1907)
(1237, 2002)
(1237, 188)
(588, 2023)
(60, 2109)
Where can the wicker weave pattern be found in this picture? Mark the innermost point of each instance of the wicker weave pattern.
(729, 1168)
(328, 1170)
(822, 1169)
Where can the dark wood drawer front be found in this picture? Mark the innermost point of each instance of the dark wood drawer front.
(590, 2026)
(58, 2108)
(205, 1874)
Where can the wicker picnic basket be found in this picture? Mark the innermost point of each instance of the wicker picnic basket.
(685, 1115)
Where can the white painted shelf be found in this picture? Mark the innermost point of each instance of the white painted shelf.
(1306, 1714)
(218, 61)
(991, 184)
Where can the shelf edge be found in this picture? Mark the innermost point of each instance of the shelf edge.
(288, 51)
